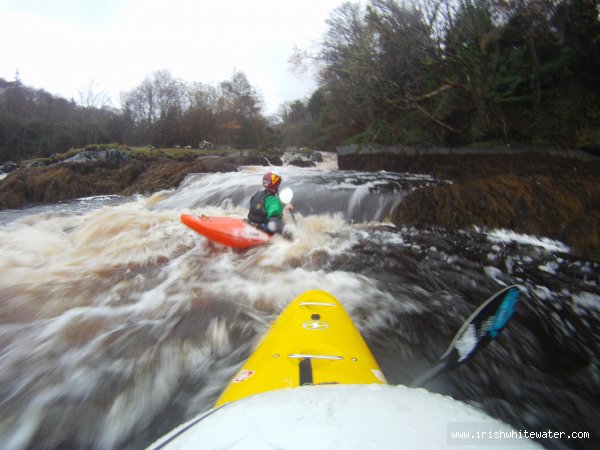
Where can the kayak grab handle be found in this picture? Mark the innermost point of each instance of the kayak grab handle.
(304, 355)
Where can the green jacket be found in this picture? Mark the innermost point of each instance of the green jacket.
(273, 206)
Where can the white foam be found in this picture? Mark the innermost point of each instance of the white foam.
(495, 274)
(550, 267)
(585, 300)
(508, 236)
(543, 293)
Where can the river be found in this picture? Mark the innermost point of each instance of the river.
(117, 322)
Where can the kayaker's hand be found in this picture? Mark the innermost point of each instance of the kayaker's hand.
(289, 207)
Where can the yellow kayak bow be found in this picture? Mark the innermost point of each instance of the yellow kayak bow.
(313, 341)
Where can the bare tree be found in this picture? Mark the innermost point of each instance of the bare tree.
(92, 96)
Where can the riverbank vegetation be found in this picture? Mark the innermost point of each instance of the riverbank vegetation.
(441, 72)
(163, 112)
(435, 72)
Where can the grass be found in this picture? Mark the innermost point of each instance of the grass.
(144, 153)
(150, 154)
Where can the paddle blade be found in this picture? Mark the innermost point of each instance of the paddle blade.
(286, 195)
(483, 326)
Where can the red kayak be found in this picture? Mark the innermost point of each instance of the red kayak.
(228, 231)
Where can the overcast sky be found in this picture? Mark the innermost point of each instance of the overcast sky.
(64, 45)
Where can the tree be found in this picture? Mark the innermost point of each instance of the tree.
(93, 97)
(95, 113)
(298, 127)
(471, 62)
(240, 97)
(347, 69)
(409, 78)
(34, 123)
(155, 108)
(377, 73)
(239, 119)
(199, 121)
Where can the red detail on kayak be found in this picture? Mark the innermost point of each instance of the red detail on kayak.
(228, 231)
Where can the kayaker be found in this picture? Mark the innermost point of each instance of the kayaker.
(266, 209)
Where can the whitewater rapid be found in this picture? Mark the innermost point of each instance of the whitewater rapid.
(117, 322)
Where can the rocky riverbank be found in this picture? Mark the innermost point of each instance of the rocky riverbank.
(123, 176)
(547, 194)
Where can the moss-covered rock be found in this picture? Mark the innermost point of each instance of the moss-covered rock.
(549, 196)
(67, 181)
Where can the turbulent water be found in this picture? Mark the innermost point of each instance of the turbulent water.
(117, 322)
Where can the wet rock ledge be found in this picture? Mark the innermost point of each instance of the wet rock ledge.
(105, 171)
(545, 192)
(117, 173)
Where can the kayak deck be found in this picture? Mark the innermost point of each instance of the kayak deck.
(313, 341)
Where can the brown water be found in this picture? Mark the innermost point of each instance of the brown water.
(117, 323)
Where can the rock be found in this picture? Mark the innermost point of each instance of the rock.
(32, 163)
(204, 145)
(301, 157)
(111, 155)
(531, 194)
(274, 160)
(301, 163)
(315, 156)
(369, 150)
(8, 167)
(240, 153)
(113, 174)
